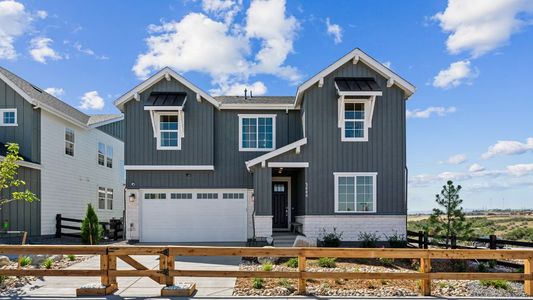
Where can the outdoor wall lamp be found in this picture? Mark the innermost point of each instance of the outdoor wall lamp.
(132, 198)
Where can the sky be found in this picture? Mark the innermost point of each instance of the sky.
(470, 120)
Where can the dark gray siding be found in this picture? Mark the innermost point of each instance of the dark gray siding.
(263, 191)
(115, 129)
(384, 152)
(27, 133)
(22, 215)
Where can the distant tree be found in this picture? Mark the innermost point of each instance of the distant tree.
(448, 218)
(91, 230)
(8, 178)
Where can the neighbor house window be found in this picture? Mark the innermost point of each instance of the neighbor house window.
(8, 117)
(257, 132)
(168, 132)
(105, 155)
(105, 198)
(110, 199)
(109, 157)
(355, 192)
(354, 128)
(101, 154)
(69, 141)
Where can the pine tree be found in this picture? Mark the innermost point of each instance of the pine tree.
(449, 219)
(91, 230)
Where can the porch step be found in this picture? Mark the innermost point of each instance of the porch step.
(284, 239)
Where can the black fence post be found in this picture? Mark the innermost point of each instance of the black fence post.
(426, 239)
(420, 239)
(453, 241)
(58, 226)
(492, 241)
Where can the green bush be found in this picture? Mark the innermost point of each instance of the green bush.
(327, 262)
(258, 283)
(520, 233)
(25, 261)
(499, 284)
(71, 257)
(368, 239)
(492, 263)
(267, 267)
(481, 267)
(397, 240)
(47, 264)
(330, 239)
(292, 262)
(91, 230)
(386, 261)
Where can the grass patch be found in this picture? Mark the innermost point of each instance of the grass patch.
(47, 264)
(292, 262)
(327, 262)
(71, 257)
(25, 261)
(499, 284)
(284, 282)
(267, 267)
(258, 283)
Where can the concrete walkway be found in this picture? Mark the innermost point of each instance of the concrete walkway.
(132, 287)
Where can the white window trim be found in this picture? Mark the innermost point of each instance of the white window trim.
(98, 154)
(73, 143)
(243, 116)
(156, 123)
(369, 111)
(352, 174)
(2, 111)
(106, 191)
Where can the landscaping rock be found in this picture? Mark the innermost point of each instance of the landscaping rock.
(266, 259)
(302, 241)
(37, 259)
(4, 261)
(56, 258)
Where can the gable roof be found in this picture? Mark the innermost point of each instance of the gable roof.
(275, 153)
(167, 73)
(357, 55)
(100, 120)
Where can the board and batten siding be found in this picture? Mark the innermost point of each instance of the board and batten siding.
(211, 138)
(27, 133)
(70, 183)
(384, 152)
(114, 129)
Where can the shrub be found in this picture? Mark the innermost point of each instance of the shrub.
(292, 262)
(91, 230)
(47, 264)
(397, 240)
(492, 263)
(71, 257)
(267, 267)
(330, 239)
(258, 283)
(26, 260)
(284, 282)
(386, 261)
(481, 267)
(368, 239)
(520, 233)
(499, 284)
(458, 265)
(327, 262)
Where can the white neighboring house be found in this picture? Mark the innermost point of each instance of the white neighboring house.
(71, 158)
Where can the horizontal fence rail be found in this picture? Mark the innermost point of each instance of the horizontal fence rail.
(112, 229)
(166, 273)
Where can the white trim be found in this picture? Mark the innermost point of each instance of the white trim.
(368, 108)
(288, 165)
(163, 108)
(356, 55)
(154, 79)
(336, 176)
(276, 152)
(169, 167)
(289, 199)
(26, 164)
(264, 106)
(98, 124)
(156, 123)
(2, 111)
(257, 116)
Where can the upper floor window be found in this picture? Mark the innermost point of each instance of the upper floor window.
(8, 117)
(257, 132)
(355, 192)
(354, 121)
(168, 136)
(105, 155)
(69, 141)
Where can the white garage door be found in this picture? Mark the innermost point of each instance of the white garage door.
(188, 216)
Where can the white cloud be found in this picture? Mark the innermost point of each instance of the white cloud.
(520, 169)
(223, 9)
(479, 26)
(455, 75)
(508, 148)
(335, 31)
(428, 112)
(42, 14)
(88, 51)
(182, 44)
(476, 168)
(14, 22)
(41, 51)
(91, 100)
(456, 159)
(237, 89)
(54, 91)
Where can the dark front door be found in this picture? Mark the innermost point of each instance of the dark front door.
(280, 205)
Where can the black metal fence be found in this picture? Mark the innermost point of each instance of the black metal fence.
(114, 229)
(423, 240)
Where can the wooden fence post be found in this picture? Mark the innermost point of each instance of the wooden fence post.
(162, 267)
(528, 270)
(58, 226)
(420, 239)
(426, 240)
(492, 241)
(425, 284)
(170, 267)
(104, 267)
(301, 281)
(113, 267)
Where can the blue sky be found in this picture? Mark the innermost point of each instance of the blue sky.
(470, 119)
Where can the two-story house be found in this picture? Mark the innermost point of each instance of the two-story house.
(205, 169)
(70, 158)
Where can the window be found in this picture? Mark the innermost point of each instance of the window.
(153, 196)
(69, 141)
(8, 117)
(101, 154)
(207, 196)
(279, 187)
(109, 157)
(105, 197)
(355, 192)
(232, 196)
(105, 155)
(354, 121)
(257, 132)
(168, 132)
(180, 196)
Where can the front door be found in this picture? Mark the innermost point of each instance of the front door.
(280, 205)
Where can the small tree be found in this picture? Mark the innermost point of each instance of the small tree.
(8, 178)
(449, 219)
(91, 230)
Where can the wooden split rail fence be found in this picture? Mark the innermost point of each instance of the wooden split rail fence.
(167, 272)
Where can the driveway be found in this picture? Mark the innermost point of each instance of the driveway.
(142, 286)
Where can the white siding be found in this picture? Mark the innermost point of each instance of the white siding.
(69, 183)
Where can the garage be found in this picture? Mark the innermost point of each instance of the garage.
(193, 216)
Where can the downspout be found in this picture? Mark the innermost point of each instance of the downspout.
(406, 194)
